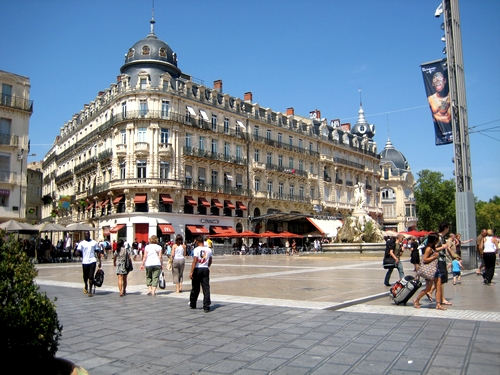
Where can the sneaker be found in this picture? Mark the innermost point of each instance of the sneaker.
(91, 295)
(206, 310)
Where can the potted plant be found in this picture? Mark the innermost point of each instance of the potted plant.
(47, 199)
(54, 213)
(31, 210)
(28, 318)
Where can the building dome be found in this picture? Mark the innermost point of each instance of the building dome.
(390, 155)
(362, 126)
(151, 55)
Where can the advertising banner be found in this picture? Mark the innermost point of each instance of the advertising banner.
(64, 202)
(435, 76)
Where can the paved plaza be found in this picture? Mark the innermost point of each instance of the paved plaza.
(275, 314)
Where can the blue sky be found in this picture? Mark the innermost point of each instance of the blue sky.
(308, 54)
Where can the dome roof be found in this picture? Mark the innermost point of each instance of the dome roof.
(362, 126)
(398, 160)
(149, 52)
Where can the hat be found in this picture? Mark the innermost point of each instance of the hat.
(456, 256)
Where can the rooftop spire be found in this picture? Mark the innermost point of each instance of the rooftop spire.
(152, 22)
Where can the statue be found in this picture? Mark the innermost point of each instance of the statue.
(359, 196)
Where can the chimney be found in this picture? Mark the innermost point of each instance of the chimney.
(346, 127)
(118, 78)
(315, 115)
(248, 96)
(218, 85)
(290, 111)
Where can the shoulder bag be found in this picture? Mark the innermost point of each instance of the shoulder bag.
(128, 262)
(427, 270)
(161, 280)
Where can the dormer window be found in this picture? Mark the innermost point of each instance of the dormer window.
(163, 52)
(131, 52)
(145, 50)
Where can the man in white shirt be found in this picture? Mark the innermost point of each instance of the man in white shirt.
(90, 254)
(200, 274)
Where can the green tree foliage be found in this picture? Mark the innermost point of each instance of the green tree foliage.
(435, 200)
(488, 214)
(28, 318)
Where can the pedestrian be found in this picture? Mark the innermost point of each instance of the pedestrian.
(179, 262)
(135, 248)
(153, 262)
(68, 245)
(395, 251)
(415, 253)
(90, 256)
(479, 248)
(456, 266)
(442, 279)
(287, 247)
(200, 274)
(459, 243)
(490, 247)
(119, 257)
(430, 255)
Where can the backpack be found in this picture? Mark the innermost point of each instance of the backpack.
(107, 245)
(98, 278)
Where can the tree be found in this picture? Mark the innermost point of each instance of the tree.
(435, 200)
(488, 214)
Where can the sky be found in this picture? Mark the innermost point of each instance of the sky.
(306, 54)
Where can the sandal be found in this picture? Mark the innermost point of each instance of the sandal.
(447, 303)
(439, 307)
(429, 297)
(416, 304)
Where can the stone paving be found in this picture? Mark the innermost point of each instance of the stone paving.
(275, 315)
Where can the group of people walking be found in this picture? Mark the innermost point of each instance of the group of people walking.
(435, 256)
(152, 264)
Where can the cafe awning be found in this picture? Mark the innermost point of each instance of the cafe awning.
(116, 228)
(104, 204)
(216, 203)
(140, 198)
(229, 204)
(166, 199)
(197, 229)
(118, 199)
(241, 206)
(166, 228)
(326, 227)
(223, 230)
(204, 202)
(190, 200)
(90, 206)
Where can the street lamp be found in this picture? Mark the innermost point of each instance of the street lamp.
(21, 157)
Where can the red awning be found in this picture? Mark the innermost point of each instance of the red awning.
(217, 230)
(140, 198)
(166, 198)
(118, 199)
(217, 204)
(190, 200)
(229, 204)
(223, 230)
(90, 206)
(197, 229)
(166, 228)
(204, 202)
(104, 204)
(116, 228)
(241, 206)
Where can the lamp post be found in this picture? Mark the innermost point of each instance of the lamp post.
(21, 157)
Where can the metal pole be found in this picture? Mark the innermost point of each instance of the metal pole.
(464, 197)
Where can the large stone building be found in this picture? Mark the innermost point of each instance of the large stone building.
(160, 153)
(15, 113)
(397, 187)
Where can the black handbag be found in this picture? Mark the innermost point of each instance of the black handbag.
(128, 263)
(389, 262)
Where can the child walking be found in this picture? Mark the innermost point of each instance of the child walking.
(456, 266)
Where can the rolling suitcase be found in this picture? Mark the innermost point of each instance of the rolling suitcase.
(404, 289)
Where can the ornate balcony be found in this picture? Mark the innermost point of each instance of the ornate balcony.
(141, 149)
(121, 150)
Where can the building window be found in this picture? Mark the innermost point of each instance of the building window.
(256, 155)
(214, 146)
(238, 153)
(141, 168)
(123, 136)
(292, 192)
(201, 143)
(165, 104)
(269, 158)
(386, 173)
(164, 169)
(269, 134)
(270, 186)
(201, 175)
(124, 109)
(226, 125)
(301, 192)
(143, 83)
(301, 165)
(122, 171)
(290, 140)
(5, 124)
(280, 160)
(256, 131)
(215, 178)
(188, 140)
(226, 149)
(311, 167)
(290, 163)
(143, 108)
(300, 143)
(257, 184)
(189, 174)
(141, 135)
(280, 138)
(164, 135)
(239, 181)
(280, 189)
(237, 130)
(311, 193)
(214, 122)
(145, 50)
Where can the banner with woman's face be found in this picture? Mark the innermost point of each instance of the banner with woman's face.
(435, 76)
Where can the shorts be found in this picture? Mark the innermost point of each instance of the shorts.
(455, 273)
(88, 271)
(442, 272)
